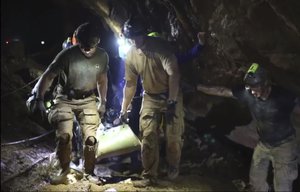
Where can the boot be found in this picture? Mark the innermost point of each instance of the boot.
(89, 164)
(146, 182)
(61, 178)
(63, 150)
(173, 172)
(89, 159)
(92, 178)
(63, 153)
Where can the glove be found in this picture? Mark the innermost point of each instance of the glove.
(36, 105)
(124, 117)
(170, 112)
(101, 106)
(101, 109)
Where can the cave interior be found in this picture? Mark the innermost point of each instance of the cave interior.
(219, 132)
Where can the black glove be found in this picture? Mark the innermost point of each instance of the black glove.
(36, 105)
(124, 117)
(170, 112)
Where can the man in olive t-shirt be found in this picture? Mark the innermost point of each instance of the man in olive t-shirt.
(81, 69)
(161, 112)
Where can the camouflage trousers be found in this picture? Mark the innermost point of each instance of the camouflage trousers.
(284, 162)
(154, 130)
(61, 117)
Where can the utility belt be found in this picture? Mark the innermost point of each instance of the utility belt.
(76, 94)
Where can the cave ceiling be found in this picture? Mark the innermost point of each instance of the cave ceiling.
(239, 32)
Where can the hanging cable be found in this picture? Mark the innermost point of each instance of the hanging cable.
(16, 90)
(27, 140)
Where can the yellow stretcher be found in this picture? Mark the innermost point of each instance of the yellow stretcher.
(116, 141)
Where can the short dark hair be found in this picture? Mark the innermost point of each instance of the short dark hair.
(88, 34)
(134, 26)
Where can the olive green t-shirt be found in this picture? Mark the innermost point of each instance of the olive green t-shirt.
(78, 72)
(153, 62)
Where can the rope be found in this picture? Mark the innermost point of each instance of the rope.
(25, 171)
(27, 140)
(16, 90)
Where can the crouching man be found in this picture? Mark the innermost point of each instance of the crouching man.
(271, 107)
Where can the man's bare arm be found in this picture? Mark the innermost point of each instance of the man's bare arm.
(174, 86)
(102, 87)
(43, 84)
(129, 91)
(215, 90)
(171, 67)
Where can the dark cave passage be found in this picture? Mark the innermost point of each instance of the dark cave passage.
(220, 133)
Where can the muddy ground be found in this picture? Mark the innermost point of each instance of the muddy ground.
(209, 163)
(206, 166)
(27, 168)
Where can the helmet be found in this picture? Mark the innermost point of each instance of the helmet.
(154, 34)
(256, 75)
(87, 35)
(134, 26)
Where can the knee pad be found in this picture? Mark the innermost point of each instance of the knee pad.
(63, 139)
(91, 140)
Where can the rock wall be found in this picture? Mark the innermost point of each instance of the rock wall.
(238, 32)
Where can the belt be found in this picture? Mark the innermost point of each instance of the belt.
(159, 96)
(73, 94)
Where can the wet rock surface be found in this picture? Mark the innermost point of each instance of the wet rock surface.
(205, 166)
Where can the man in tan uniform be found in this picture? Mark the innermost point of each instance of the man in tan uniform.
(81, 69)
(161, 112)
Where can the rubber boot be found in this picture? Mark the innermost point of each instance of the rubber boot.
(65, 169)
(146, 182)
(89, 159)
(89, 164)
(173, 172)
(63, 153)
(61, 178)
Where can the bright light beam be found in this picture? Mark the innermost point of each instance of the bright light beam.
(124, 47)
